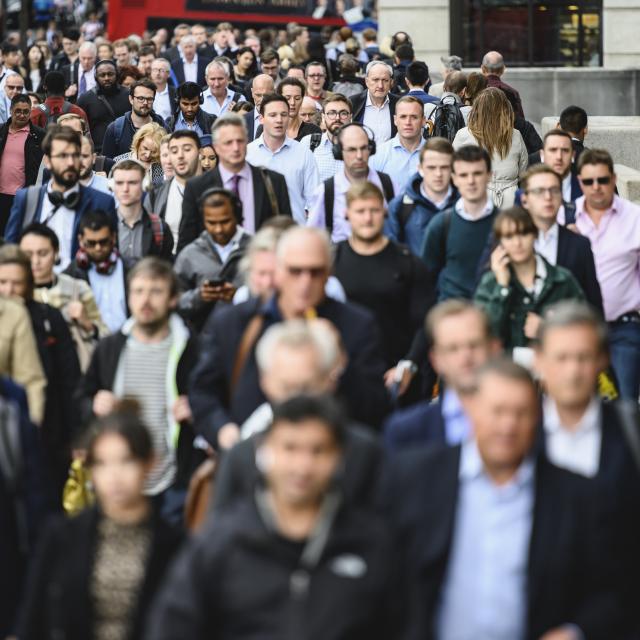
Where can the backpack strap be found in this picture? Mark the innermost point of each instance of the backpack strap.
(236, 96)
(387, 186)
(105, 102)
(406, 209)
(118, 129)
(31, 207)
(158, 231)
(329, 199)
(66, 108)
(271, 192)
(314, 143)
(249, 338)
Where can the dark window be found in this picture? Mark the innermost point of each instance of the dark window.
(528, 32)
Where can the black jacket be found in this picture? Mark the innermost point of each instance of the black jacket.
(361, 385)
(359, 101)
(358, 479)
(235, 583)
(570, 577)
(101, 375)
(99, 114)
(58, 603)
(32, 150)
(177, 70)
(191, 222)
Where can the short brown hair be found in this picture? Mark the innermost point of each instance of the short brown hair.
(411, 100)
(439, 145)
(292, 82)
(129, 165)
(122, 42)
(363, 190)
(57, 132)
(337, 97)
(596, 156)
(537, 170)
(455, 82)
(12, 254)
(454, 307)
(520, 217)
(555, 132)
(156, 269)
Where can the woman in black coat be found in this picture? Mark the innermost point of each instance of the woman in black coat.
(94, 576)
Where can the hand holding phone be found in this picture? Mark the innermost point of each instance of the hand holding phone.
(500, 266)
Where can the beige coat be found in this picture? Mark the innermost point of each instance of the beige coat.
(19, 358)
(506, 171)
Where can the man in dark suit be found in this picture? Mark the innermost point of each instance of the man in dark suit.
(574, 121)
(225, 389)
(191, 65)
(377, 98)
(61, 203)
(582, 434)
(261, 86)
(79, 77)
(542, 198)
(263, 192)
(298, 358)
(499, 543)
(460, 342)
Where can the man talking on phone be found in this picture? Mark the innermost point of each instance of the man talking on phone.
(207, 268)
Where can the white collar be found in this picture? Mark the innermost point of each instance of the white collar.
(590, 421)
(369, 102)
(487, 211)
(550, 235)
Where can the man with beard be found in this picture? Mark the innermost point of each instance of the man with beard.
(61, 203)
(119, 134)
(166, 200)
(88, 177)
(149, 359)
(336, 112)
(105, 102)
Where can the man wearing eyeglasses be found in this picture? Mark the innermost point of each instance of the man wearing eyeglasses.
(612, 224)
(336, 112)
(63, 201)
(224, 389)
(315, 74)
(20, 154)
(119, 134)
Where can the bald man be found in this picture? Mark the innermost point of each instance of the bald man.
(261, 86)
(493, 68)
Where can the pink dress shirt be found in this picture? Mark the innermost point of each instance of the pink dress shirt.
(245, 191)
(12, 174)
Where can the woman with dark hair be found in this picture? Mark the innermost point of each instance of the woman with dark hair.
(128, 74)
(293, 90)
(95, 575)
(35, 69)
(246, 67)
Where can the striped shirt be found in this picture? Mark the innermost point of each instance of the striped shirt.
(145, 374)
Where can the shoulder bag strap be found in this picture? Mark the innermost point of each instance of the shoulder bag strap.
(248, 340)
(329, 198)
(271, 194)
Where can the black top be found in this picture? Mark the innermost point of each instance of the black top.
(99, 114)
(394, 285)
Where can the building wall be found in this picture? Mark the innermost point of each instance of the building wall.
(621, 44)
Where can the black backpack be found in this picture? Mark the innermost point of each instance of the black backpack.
(53, 117)
(447, 119)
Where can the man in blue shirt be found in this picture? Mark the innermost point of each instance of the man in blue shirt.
(190, 114)
(399, 157)
(416, 78)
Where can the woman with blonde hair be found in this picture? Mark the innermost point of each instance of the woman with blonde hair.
(145, 148)
(491, 126)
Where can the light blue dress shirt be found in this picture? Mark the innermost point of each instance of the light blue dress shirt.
(296, 163)
(181, 123)
(211, 104)
(457, 427)
(484, 596)
(392, 158)
(108, 290)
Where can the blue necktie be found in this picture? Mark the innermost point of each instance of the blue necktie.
(83, 84)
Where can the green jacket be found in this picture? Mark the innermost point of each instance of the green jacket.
(507, 307)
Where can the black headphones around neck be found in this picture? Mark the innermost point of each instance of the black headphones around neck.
(337, 145)
(183, 86)
(58, 199)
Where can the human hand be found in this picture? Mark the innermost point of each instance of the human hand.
(531, 325)
(228, 435)
(500, 266)
(182, 409)
(103, 403)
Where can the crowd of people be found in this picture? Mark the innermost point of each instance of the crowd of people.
(314, 347)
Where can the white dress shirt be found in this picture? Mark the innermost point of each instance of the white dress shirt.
(162, 104)
(173, 210)
(378, 119)
(576, 449)
(546, 244)
(191, 69)
(62, 222)
(566, 188)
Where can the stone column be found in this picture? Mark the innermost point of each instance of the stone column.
(620, 42)
(426, 20)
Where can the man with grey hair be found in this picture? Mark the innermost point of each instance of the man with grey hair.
(376, 106)
(190, 66)
(493, 68)
(225, 385)
(450, 64)
(166, 102)
(79, 77)
(218, 98)
(261, 86)
(298, 357)
(263, 192)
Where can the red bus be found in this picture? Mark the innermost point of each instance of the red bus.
(134, 16)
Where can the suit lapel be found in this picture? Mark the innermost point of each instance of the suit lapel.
(260, 198)
(163, 196)
(562, 245)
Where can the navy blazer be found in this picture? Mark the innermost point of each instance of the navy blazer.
(89, 199)
(177, 71)
(569, 576)
(418, 425)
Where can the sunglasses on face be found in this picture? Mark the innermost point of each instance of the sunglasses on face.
(92, 244)
(589, 181)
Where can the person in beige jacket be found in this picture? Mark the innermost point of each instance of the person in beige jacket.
(19, 357)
